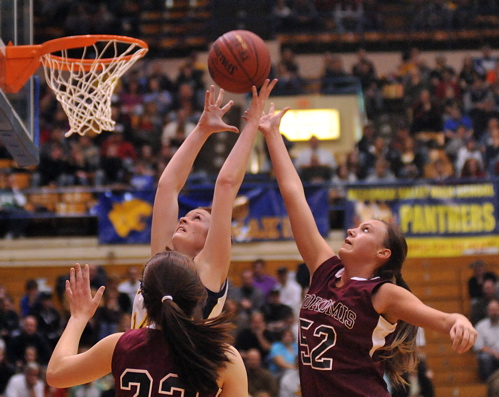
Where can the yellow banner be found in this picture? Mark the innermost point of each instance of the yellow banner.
(452, 246)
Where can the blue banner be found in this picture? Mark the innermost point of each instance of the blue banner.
(258, 214)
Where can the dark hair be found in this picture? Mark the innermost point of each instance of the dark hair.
(401, 355)
(199, 346)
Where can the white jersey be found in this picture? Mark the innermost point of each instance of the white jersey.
(214, 306)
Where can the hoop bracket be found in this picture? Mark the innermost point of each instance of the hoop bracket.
(23, 61)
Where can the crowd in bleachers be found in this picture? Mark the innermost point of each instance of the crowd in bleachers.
(264, 306)
(447, 115)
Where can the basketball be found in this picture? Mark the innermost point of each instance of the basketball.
(238, 60)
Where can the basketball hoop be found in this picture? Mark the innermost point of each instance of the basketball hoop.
(83, 71)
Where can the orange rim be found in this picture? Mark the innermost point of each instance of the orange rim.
(22, 61)
(70, 42)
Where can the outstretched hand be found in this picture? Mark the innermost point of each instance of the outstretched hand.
(211, 119)
(270, 122)
(259, 99)
(463, 335)
(81, 303)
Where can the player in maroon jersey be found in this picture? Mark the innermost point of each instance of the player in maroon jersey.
(180, 353)
(202, 234)
(358, 318)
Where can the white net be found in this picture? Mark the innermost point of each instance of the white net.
(84, 85)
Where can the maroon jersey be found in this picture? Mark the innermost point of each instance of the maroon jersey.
(143, 366)
(340, 334)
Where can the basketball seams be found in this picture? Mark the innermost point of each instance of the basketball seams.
(236, 58)
(225, 76)
(229, 71)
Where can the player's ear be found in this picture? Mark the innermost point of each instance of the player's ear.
(383, 253)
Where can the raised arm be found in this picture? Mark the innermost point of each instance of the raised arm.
(311, 245)
(214, 260)
(396, 303)
(66, 367)
(174, 176)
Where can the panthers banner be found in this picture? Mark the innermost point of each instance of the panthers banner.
(258, 213)
(437, 219)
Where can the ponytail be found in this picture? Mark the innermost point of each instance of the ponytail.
(199, 347)
(173, 294)
(401, 356)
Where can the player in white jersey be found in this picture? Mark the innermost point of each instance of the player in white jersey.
(204, 234)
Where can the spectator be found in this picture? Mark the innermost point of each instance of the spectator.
(260, 380)
(478, 310)
(333, 71)
(382, 172)
(349, 16)
(364, 66)
(239, 318)
(114, 304)
(175, 131)
(472, 169)
(26, 384)
(9, 319)
(475, 100)
(305, 15)
(409, 162)
(475, 282)
(303, 277)
(414, 83)
(454, 142)
(448, 89)
(98, 276)
(30, 297)
(468, 73)
(315, 164)
(131, 98)
(54, 169)
(191, 72)
(132, 284)
(278, 315)
(7, 370)
(113, 169)
(487, 342)
(263, 281)
(81, 170)
(142, 177)
(48, 318)
(30, 356)
(289, 83)
(247, 295)
(289, 384)
(283, 354)
(155, 93)
(28, 335)
(486, 62)
(290, 290)
(426, 114)
(491, 151)
(454, 118)
(283, 16)
(15, 219)
(256, 336)
(469, 151)
(440, 170)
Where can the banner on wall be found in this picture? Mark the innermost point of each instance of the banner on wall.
(258, 215)
(437, 220)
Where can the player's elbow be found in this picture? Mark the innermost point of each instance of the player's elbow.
(228, 182)
(54, 378)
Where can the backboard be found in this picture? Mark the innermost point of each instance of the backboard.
(18, 129)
